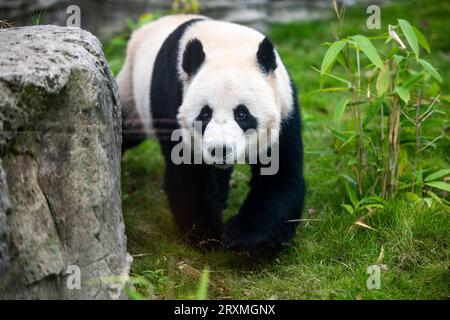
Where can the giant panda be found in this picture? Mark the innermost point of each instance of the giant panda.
(186, 69)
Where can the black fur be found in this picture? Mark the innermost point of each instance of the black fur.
(249, 122)
(266, 56)
(206, 110)
(262, 221)
(197, 193)
(193, 57)
(133, 131)
(166, 90)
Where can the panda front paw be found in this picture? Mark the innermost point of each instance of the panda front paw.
(241, 236)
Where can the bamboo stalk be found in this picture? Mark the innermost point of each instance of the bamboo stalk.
(418, 125)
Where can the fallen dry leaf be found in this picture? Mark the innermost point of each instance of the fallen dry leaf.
(362, 224)
(187, 269)
(381, 256)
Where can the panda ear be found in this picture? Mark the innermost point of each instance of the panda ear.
(193, 57)
(266, 56)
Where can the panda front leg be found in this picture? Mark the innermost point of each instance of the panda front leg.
(265, 219)
(195, 199)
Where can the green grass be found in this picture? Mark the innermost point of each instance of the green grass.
(329, 256)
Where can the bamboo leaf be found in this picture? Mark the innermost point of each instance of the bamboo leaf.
(373, 205)
(372, 199)
(340, 58)
(373, 110)
(419, 177)
(338, 134)
(398, 58)
(409, 35)
(351, 194)
(408, 83)
(439, 185)
(351, 162)
(382, 84)
(330, 56)
(348, 83)
(434, 196)
(437, 175)
(348, 207)
(349, 179)
(340, 108)
(403, 93)
(428, 201)
(369, 50)
(422, 40)
(350, 139)
(334, 89)
(431, 70)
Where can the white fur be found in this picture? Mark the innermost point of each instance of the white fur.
(231, 46)
(224, 88)
(134, 79)
(229, 76)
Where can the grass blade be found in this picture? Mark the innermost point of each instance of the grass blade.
(202, 291)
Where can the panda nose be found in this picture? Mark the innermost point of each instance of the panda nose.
(226, 150)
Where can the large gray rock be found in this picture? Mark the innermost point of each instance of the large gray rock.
(60, 144)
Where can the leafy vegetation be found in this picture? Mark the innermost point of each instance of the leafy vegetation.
(37, 17)
(380, 92)
(406, 230)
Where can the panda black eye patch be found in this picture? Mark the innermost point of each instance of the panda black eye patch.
(204, 117)
(244, 118)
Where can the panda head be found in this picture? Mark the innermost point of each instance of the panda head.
(231, 108)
